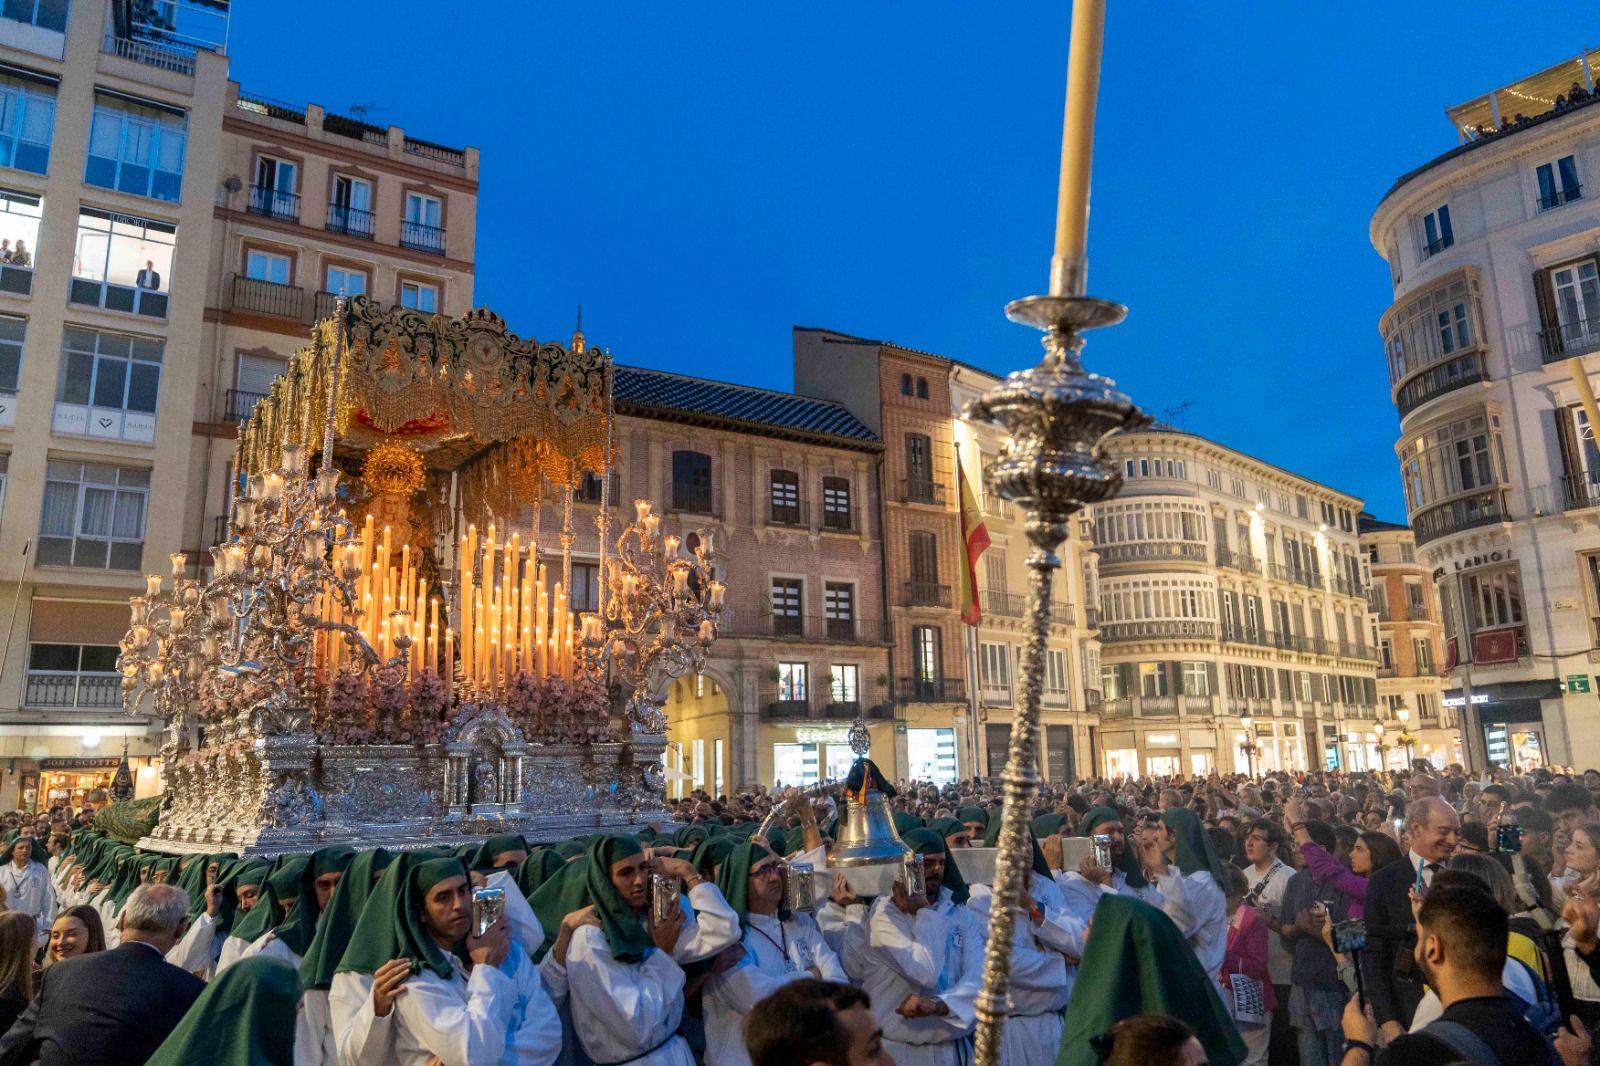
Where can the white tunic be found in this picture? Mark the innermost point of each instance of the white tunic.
(1198, 908)
(765, 969)
(497, 1014)
(621, 1011)
(1082, 895)
(524, 924)
(359, 1035)
(269, 945)
(936, 953)
(845, 929)
(196, 952)
(1040, 983)
(709, 924)
(29, 891)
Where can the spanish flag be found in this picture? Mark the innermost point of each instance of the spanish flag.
(975, 536)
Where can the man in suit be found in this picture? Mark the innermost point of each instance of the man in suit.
(111, 1006)
(1393, 984)
(149, 277)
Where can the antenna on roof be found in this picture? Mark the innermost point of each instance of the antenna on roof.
(1173, 416)
(577, 333)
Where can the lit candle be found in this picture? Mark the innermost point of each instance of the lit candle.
(272, 487)
(1077, 147)
(178, 560)
(433, 635)
(449, 658)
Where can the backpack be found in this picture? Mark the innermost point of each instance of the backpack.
(1543, 1013)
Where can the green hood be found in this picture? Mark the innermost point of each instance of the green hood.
(193, 879)
(1048, 825)
(484, 855)
(300, 924)
(390, 926)
(1193, 851)
(540, 865)
(932, 842)
(688, 836)
(338, 924)
(239, 872)
(711, 853)
(127, 878)
(974, 814)
(734, 880)
(281, 885)
(905, 822)
(1129, 863)
(991, 839)
(586, 881)
(1142, 965)
(244, 1017)
(946, 826)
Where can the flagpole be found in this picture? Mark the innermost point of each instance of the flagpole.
(972, 698)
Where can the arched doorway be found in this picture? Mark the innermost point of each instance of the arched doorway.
(699, 736)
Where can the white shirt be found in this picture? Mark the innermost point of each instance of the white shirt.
(29, 891)
(1270, 902)
(775, 954)
(938, 952)
(1198, 908)
(1419, 863)
(621, 1011)
(359, 1035)
(497, 1014)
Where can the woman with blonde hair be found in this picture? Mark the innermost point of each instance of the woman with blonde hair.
(16, 965)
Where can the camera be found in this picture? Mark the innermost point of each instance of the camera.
(1102, 850)
(1350, 936)
(663, 898)
(488, 904)
(1508, 839)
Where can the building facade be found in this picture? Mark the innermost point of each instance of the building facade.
(1411, 676)
(1233, 616)
(1491, 343)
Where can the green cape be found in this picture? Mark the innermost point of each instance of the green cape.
(540, 865)
(299, 926)
(587, 881)
(905, 822)
(712, 852)
(390, 926)
(1192, 850)
(687, 836)
(734, 881)
(1047, 825)
(270, 909)
(991, 839)
(127, 878)
(932, 842)
(245, 1017)
(321, 957)
(779, 839)
(974, 814)
(240, 872)
(946, 826)
(1142, 965)
(484, 855)
(1129, 863)
(569, 850)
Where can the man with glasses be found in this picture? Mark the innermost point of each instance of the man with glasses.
(1268, 877)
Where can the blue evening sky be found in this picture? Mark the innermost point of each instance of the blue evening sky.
(703, 176)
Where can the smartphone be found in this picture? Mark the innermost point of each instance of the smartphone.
(1350, 936)
(1508, 839)
(663, 898)
(488, 904)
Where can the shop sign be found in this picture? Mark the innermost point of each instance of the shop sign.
(1577, 683)
(824, 735)
(900, 727)
(79, 764)
(1461, 701)
(1161, 740)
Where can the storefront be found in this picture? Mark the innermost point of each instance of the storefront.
(67, 782)
(1511, 717)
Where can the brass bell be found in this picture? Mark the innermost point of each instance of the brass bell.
(866, 835)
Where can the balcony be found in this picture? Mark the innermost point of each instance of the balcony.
(1055, 697)
(16, 280)
(993, 506)
(79, 691)
(324, 304)
(150, 53)
(918, 490)
(1159, 629)
(764, 624)
(1091, 617)
(1483, 508)
(1004, 604)
(1560, 196)
(350, 221)
(1433, 248)
(128, 299)
(267, 298)
(839, 519)
(693, 499)
(930, 690)
(1457, 372)
(1579, 491)
(1574, 338)
(1245, 564)
(995, 695)
(273, 203)
(422, 238)
(1061, 613)
(787, 514)
(1237, 634)
(787, 709)
(1294, 574)
(1152, 550)
(1345, 587)
(925, 594)
(239, 405)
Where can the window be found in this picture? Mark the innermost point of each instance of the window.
(905, 384)
(350, 212)
(1385, 654)
(926, 662)
(13, 330)
(27, 121)
(273, 193)
(784, 495)
(837, 512)
(788, 597)
(844, 683)
(252, 379)
(420, 296)
(136, 147)
(1577, 298)
(1214, 480)
(1558, 182)
(839, 609)
(108, 385)
(1236, 486)
(994, 570)
(45, 14)
(1493, 598)
(122, 262)
(584, 595)
(1434, 327)
(72, 675)
(1055, 672)
(1436, 232)
(93, 516)
(919, 468)
(924, 552)
(1416, 604)
(1305, 686)
(994, 663)
(922, 388)
(1422, 654)
(1111, 683)
(345, 281)
(691, 482)
(1196, 679)
(422, 226)
(266, 266)
(1153, 679)
(792, 682)
(1451, 460)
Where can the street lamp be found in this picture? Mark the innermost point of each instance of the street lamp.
(1383, 751)
(1405, 737)
(1249, 745)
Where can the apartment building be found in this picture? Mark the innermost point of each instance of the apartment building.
(1410, 647)
(309, 205)
(1491, 343)
(787, 488)
(112, 137)
(1233, 616)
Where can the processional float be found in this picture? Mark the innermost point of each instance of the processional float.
(381, 653)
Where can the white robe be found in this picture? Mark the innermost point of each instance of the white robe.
(360, 1037)
(764, 970)
(845, 929)
(936, 953)
(1082, 895)
(269, 945)
(233, 949)
(709, 924)
(621, 1009)
(197, 951)
(1198, 908)
(497, 1014)
(1040, 980)
(29, 891)
(523, 923)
